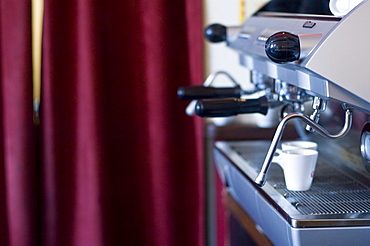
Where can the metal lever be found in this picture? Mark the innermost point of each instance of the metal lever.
(261, 178)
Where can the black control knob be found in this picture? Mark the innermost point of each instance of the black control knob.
(283, 47)
(215, 33)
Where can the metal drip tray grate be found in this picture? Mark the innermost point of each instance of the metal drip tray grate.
(333, 192)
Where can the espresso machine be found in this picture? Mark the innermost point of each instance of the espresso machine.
(312, 65)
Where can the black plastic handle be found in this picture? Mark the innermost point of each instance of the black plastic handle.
(201, 92)
(230, 107)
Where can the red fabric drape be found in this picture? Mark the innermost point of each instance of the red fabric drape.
(18, 165)
(120, 162)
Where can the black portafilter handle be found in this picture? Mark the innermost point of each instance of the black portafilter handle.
(201, 92)
(231, 106)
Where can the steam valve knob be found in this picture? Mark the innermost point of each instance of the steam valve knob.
(283, 47)
(215, 33)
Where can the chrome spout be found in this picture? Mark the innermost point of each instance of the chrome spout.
(261, 178)
(318, 105)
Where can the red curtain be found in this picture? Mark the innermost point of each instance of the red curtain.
(115, 160)
(18, 142)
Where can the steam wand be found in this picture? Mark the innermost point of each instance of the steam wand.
(261, 178)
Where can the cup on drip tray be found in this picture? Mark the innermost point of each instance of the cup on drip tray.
(298, 161)
(298, 144)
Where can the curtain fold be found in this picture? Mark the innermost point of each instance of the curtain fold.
(18, 151)
(115, 160)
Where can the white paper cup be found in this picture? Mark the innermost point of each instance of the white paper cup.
(299, 144)
(298, 166)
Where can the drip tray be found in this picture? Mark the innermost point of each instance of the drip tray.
(338, 195)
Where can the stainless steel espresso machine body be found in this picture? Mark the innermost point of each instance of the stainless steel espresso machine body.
(300, 54)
